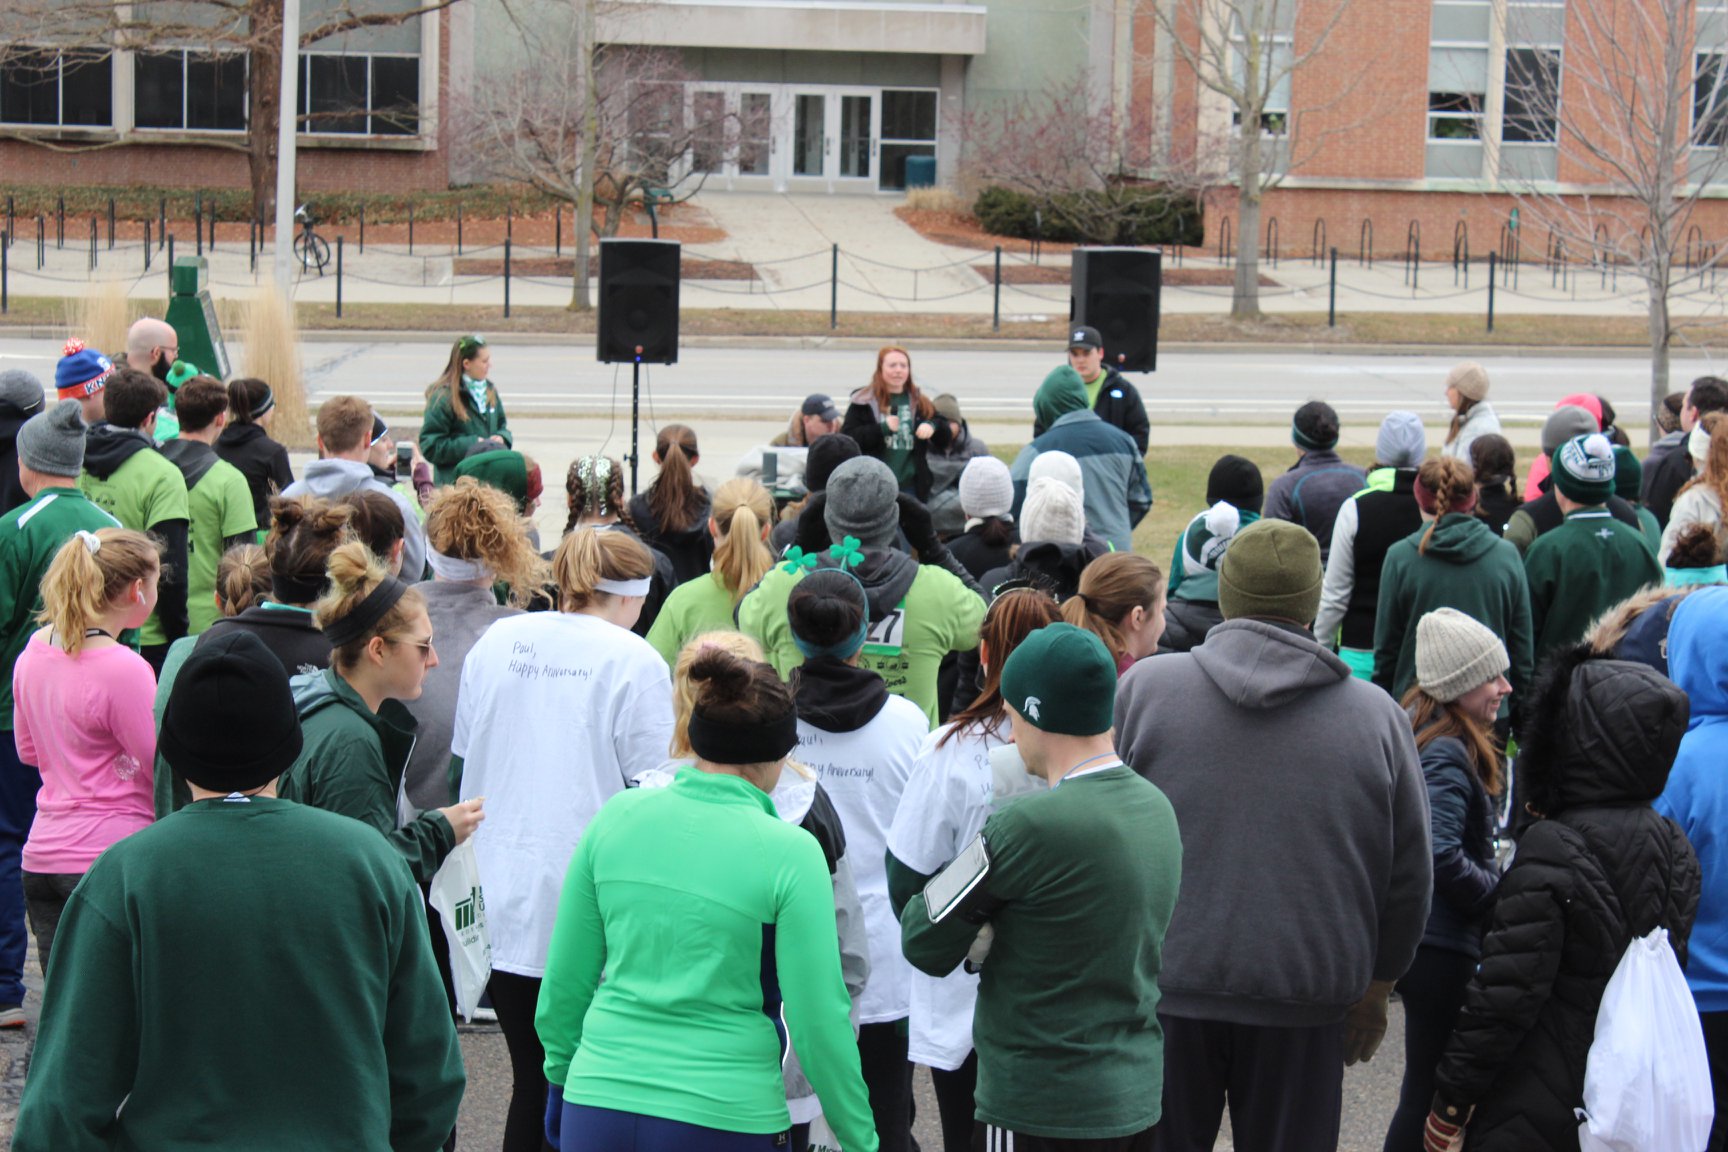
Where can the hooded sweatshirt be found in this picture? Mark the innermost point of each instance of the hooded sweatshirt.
(691, 548)
(1696, 797)
(261, 460)
(1306, 866)
(1465, 567)
(1117, 492)
(126, 477)
(12, 492)
(333, 479)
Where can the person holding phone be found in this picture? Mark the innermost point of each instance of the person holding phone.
(1061, 904)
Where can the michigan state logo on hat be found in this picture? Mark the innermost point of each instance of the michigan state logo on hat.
(1030, 710)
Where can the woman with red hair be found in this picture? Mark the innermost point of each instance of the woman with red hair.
(894, 422)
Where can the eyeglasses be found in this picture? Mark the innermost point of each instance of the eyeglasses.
(425, 646)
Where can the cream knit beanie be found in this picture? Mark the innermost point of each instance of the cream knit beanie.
(1456, 653)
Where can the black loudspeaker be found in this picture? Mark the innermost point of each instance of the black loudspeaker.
(638, 301)
(1116, 290)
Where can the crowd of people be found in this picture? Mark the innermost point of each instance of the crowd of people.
(882, 752)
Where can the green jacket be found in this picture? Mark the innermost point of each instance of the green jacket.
(352, 763)
(446, 440)
(695, 606)
(1466, 567)
(1082, 882)
(171, 791)
(243, 974)
(30, 535)
(1580, 570)
(685, 1025)
(143, 493)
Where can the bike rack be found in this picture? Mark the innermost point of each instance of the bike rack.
(1224, 241)
(1319, 239)
(1693, 233)
(1365, 244)
(1272, 240)
(1413, 253)
(1599, 245)
(1461, 252)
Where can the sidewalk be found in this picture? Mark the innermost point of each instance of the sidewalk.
(883, 265)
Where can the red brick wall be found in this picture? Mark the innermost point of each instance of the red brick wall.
(1361, 102)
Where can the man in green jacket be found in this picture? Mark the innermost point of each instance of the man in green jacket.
(1062, 904)
(247, 972)
(1592, 561)
(50, 454)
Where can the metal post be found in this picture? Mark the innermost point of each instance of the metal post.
(252, 245)
(509, 222)
(410, 229)
(5, 272)
(1492, 260)
(198, 221)
(338, 277)
(1332, 293)
(287, 154)
(834, 291)
(170, 263)
(92, 243)
(557, 230)
(60, 222)
(635, 418)
(362, 229)
(161, 221)
(996, 306)
(506, 275)
(212, 227)
(146, 244)
(11, 221)
(458, 229)
(41, 241)
(110, 223)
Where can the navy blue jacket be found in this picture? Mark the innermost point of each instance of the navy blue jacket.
(1462, 822)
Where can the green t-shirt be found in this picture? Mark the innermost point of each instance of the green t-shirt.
(145, 491)
(221, 507)
(276, 957)
(899, 444)
(1082, 881)
(30, 535)
(1093, 387)
(696, 606)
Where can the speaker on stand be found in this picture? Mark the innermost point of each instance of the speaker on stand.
(1117, 291)
(638, 320)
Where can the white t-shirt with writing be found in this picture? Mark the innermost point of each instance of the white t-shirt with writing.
(555, 715)
(864, 772)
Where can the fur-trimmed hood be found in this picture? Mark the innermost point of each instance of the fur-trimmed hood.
(1597, 731)
(1610, 629)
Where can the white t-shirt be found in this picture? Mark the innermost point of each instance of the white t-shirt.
(864, 773)
(556, 713)
(944, 806)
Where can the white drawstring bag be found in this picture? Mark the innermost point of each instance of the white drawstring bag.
(460, 905)
(1647, 1083)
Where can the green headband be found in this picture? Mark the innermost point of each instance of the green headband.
(469, 345)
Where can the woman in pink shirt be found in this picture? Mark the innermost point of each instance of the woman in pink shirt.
(84, 715)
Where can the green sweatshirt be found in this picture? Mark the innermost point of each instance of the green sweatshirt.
(243, 974)
(352, 763)
(941, 615)
(145, 491)
(30, 535)
(1580, 570)
(1081, 886)
(695, 606)
(707, 914)
(445, 438)
(220, 510)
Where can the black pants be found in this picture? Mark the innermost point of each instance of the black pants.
(1716, 1044)
(1284, 1086)
(45, 896)
(955, 1093)
(154, 655)
(1432, 992)
(989, 1138)
(514, 999)
(888, 1078)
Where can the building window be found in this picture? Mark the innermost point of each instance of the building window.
(908, 129)
(1275, 116)
(1710, 102)
(190, 90)
(359, 94)
(45, 87)
(1454, 116)
(1532, 96)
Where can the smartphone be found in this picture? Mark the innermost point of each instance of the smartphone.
(954, 883)
(404, 459)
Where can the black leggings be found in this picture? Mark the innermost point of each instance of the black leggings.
(1432, 992)
(514, 998)
(888, 1079)
(955, 1092)
(1716, 1045)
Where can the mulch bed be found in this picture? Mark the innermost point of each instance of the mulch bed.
(1058, 274)
(554, 266)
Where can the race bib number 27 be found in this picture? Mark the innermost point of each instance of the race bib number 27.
(887, 635)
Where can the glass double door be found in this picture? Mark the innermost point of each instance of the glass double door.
(835, 135)
(782, 138)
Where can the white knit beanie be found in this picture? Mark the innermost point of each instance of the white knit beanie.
(1456, 653)
(1058, 466)
(986, 488)
(1052, 512)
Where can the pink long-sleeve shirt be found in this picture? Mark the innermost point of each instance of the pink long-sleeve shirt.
(87, 723)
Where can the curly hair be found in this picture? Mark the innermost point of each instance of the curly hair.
(471, 521)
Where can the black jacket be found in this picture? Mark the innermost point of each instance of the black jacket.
(1598, 869)
(12, 494)
(1186, 623)
(979, 557)
(691, 550)
(1494, 506)
(261, 460)
(864, 424)
(1664, 476)
(1461, 818)
(836, 696)
(1119, 404)
(289, 633)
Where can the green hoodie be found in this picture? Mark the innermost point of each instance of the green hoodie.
(352, 764)
(504, 469)
(1465, 567)
(1061, 393)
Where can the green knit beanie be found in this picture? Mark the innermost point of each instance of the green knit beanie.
(1271, 569)
(1061, 679)
(1061, 393)
(1584, 469)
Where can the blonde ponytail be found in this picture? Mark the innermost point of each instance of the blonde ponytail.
(87, 578)
(741, 508)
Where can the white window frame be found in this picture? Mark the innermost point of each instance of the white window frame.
(1275, 116)
(1719, 102)
(1559, 85)
(59, 124)
(420, 108)
(186, 89)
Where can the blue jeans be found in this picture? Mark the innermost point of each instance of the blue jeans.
(587, 1129)
(18, 785)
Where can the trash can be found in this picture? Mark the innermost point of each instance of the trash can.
(920, 171)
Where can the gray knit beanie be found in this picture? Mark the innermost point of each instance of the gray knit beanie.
(863, 502)
(1455, 654)
(52, 442)
(21, 390)
(986, 489)
(1052, 512)
(1402, 441)
(1564, 423)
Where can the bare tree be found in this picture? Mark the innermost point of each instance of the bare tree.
(1249, 52)
(1643, 125)
(602, 126)
(33, 33)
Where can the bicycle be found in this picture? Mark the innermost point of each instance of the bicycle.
(309, 247)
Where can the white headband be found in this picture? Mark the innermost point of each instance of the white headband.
(625, 587)
(454, 568)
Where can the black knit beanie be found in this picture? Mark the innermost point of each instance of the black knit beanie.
(826, 454)
(230, 724)
(1236, 480)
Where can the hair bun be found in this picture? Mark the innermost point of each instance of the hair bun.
(724, 677)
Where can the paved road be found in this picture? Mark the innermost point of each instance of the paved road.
(1229, 387)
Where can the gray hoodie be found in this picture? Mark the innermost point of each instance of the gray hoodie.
(334, 479)
(1306, 866)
